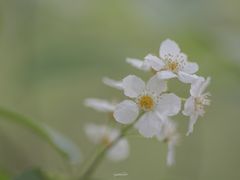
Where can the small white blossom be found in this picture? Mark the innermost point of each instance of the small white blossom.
(171, 63)
(194, 105)
(139, 64)
(168, 134)
(101, 134)
(149, 99)
(100, 105)
(112, 83)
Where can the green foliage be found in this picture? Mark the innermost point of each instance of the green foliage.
(60, 143)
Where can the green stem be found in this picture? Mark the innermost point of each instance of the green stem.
(90, 170)
(183, 99)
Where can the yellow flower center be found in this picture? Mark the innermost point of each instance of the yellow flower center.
(172, 66)
(202, 101)
(105, 141)
(146, 102)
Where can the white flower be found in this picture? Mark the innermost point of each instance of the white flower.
(194, 105)
(100, 134)
(112, 83)
(150, 100)
(172, 63)
(168, 134)
(100, 105)
(139, 64)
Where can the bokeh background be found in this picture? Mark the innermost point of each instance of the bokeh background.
(53, 54)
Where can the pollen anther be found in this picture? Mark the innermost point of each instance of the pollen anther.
(146, 102)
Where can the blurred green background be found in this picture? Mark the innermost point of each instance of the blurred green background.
(53, 54)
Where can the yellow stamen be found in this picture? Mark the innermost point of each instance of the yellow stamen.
(146, 102)
(172, 66)
(202, 101)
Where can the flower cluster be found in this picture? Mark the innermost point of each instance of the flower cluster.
(150, 106)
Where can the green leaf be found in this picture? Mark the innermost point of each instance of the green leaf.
(60, 143)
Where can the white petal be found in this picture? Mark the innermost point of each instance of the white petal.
(99, 105)
(205, 85)
(198, 86)
(112, 133)
(139, 64)
(112, 83)
(192, 121)
(156, 63)
(171, 153)
(169, 104)
(166, 75)
(169, 47)
(120, 151)
(156, 85)
(189, 106)
(181, 57)
(148, 125)
(190, 67)
(95, 132)
(187, 78)
(126, 112)
(168, 129)
(133, 86)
